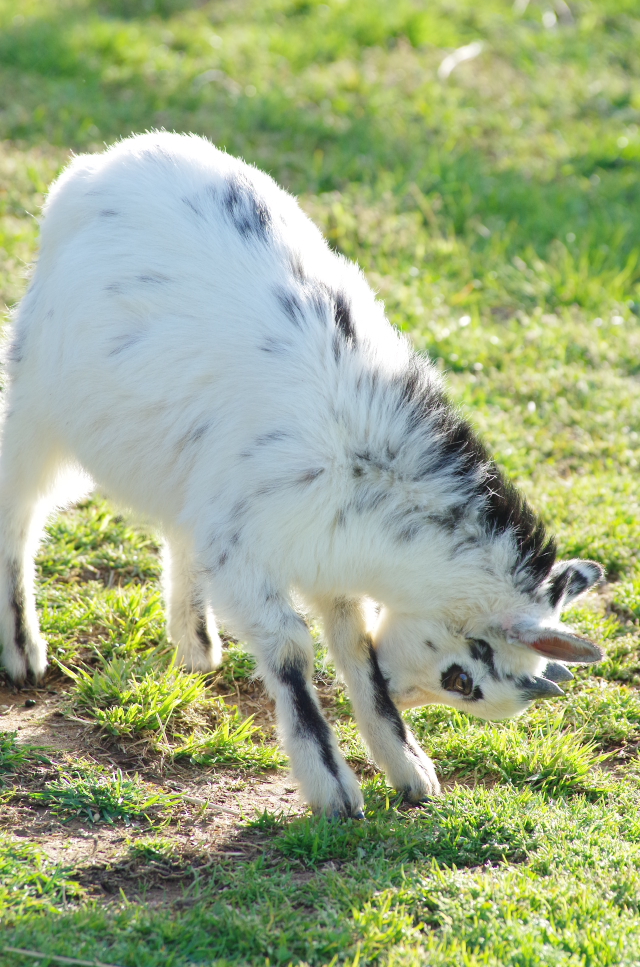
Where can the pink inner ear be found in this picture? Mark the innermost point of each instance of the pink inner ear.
(567, 649)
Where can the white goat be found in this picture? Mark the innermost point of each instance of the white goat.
(190, 341)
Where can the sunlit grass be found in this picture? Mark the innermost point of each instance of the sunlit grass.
(496, 213)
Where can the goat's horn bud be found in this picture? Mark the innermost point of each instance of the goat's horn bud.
(539, 688)
(557, 672)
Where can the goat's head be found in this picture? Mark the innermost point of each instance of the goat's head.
(494, 661)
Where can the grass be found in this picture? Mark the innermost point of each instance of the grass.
(496, 213)
(101, 797)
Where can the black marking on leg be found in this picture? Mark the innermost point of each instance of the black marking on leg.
(381, 698)
(18, 607)
(482, 651)
(203, 634)
(310, 721)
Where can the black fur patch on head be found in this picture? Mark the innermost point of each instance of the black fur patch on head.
(450, 674)
(481, 650)
(573, 579)
(507, 510)
(381, 699)
(558, 587)
(247, 211)
(309, 719)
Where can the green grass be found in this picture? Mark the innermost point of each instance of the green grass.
(90, 793)
(16, 757)
(496, 213)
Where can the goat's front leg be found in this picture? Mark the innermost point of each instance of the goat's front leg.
(284, 649)
(392, 745)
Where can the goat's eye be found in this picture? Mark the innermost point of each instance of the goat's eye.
(455, 680)
(463, 684)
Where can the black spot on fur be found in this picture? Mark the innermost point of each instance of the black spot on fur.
(345, 329)
(430, 644)
(381, 698)
(482, 651)
(126, 343)
(108, 213)
(246, 210)
(193, 436)
(222, 560)
(340, 519)
(274, 346)
(266, 439)
(291, 306)
(477, 694)
(310, 476)
(153, 278)
(453, 449)
(15, 352)
(296, 267)
(199, 432)
(194, 208)
(18, 608)
(309, 719)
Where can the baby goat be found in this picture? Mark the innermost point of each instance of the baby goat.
(190, 341)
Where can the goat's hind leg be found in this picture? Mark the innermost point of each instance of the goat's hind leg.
(190, 621)
(29, 464)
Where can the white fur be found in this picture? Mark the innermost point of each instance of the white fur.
(189, 339)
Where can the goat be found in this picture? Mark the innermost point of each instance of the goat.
(189, 340)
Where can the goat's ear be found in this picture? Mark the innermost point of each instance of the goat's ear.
(571, 578)
(557, 644)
